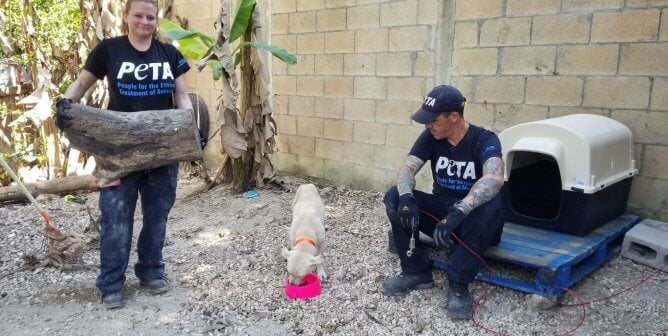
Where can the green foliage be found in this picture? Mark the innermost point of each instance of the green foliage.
(196, 45)
(27, 146)
(276, 51)
(191, 43)
(241, 19)
(57, 22)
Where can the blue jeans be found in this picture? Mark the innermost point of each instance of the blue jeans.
(157, 188)
(481, 229)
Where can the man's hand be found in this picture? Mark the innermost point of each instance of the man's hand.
(445, 227)
(63, 121)
(202, 138)
(408, 211)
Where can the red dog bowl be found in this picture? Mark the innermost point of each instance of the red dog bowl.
(309, 288)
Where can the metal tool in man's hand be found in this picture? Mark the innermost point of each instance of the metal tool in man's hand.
(411, 242)
(409, 218)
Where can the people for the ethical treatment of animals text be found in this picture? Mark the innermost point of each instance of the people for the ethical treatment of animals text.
(467, 169)
(307, 235)
(143, 74)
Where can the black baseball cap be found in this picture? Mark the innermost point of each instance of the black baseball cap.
(443, 98)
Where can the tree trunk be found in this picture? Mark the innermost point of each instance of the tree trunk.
(124, 142)
(56, 186)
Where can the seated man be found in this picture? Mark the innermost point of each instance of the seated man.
(467, 168)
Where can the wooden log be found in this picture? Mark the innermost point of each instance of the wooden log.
(55, 186)
(124, 142)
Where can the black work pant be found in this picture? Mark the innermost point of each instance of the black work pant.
(481, 229)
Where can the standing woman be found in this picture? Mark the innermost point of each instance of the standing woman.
(143, 74)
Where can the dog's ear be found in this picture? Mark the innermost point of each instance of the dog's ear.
(286, 253)
(317, 260)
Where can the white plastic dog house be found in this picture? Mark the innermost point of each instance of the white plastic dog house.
(569, 174)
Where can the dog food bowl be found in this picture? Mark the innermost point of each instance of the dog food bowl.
(309, 288)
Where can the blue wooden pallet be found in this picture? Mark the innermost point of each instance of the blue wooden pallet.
(559, 260)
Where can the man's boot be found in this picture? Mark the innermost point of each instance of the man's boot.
(459, 301)
(406, 282)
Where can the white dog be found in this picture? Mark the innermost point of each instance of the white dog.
(307, 233)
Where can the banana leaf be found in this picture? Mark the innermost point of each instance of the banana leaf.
(190, 43)
(279, 53)
(241, 19)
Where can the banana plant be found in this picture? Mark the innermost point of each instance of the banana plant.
(246, 126)
(196, 45)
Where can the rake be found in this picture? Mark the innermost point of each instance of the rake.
(63, 248)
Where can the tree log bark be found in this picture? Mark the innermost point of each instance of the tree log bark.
(55, 186)
(124, 142)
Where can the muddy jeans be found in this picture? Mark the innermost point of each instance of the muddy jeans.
(479, 230)
(157, 188)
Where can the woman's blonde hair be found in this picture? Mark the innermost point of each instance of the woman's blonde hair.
(126, 11)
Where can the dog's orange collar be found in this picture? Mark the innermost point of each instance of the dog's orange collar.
(305, 240)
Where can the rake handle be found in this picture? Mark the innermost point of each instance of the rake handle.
(23, 188)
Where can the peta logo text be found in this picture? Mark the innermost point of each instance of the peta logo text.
(155, 70)
(461, 169)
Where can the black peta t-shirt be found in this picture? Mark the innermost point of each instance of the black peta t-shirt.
(456, 169)
(138, 80)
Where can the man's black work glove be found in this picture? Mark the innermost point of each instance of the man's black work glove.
(445, 227)
(202, 138)
(408, 211)
(63, 121)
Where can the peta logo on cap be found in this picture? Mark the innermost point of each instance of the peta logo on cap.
(443, 98)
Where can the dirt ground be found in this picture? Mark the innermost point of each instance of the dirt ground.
(223, 259)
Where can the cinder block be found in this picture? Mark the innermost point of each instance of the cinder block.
(644, 59)
(402, 13)
(339, 42)
(505, 32)
(373, 40)
(310, 127)
(479, 9)
(466, 34)
(359, 65)
(477, 61)
(627, 26)
(613, 92)
(302, 22)
(660, 94)
(305, 65)
(409, 38)
(560, 29)
(647, 243)
(427, 12)
(532, 7)
(339, 87)
(360, 17)
(394, 64)
(406, 88)
(554, 90)
(331, 19)
(310, 86)
(327, 64)
(311, 43)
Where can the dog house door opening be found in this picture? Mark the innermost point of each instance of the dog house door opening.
(535, 186)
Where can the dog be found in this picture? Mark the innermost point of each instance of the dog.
(307, 233)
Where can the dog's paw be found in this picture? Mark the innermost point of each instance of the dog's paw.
(322, 276)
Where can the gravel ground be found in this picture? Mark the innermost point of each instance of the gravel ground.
(223, 258)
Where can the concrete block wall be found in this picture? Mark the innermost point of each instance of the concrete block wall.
(523, 60)
(364, 66)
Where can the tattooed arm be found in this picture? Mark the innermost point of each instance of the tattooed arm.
(406, 175)
(486, 188)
